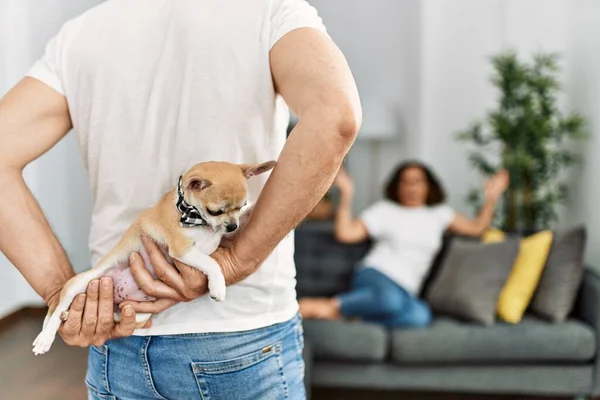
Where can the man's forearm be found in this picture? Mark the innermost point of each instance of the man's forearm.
(306, 168)
(26, 238)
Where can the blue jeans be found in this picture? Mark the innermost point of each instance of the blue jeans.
(260, 364)
(376, 298)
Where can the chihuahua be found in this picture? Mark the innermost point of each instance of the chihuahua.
(188, 224)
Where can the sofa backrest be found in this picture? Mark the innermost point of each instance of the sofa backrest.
(324, 266)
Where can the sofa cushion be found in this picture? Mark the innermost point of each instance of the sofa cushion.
(471, 278)
(347, 341)
(448, 341)
(524, 276)
(555, 295)
(324, 266)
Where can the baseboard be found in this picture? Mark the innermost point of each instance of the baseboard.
(35, 311)
(24, 312)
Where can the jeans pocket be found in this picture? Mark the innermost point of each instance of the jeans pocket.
(258, 375)
(96, 378)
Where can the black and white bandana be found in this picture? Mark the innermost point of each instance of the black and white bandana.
(190, 215)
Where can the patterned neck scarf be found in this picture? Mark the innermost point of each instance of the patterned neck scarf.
(190, 215)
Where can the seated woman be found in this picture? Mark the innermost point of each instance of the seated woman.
(407, 230)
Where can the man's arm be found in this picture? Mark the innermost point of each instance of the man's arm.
(313, 76)
(33, 118)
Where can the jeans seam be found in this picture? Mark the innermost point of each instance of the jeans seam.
(105, 361)
(279, 357)
(207, 397)
(146, 364)
(299, 330)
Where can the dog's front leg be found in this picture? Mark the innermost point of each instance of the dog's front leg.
(245, 214)
(228, 238)
(209, 267)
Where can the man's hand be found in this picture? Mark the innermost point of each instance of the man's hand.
(90, 319)
(179, 283)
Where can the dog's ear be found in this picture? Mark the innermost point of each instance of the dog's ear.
(256, 169)
(197, 184)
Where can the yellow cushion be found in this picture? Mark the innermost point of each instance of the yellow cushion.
(493, 236)
(525, 275)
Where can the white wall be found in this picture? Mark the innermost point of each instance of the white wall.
(459, 36)
(57, 179)
(583, 89)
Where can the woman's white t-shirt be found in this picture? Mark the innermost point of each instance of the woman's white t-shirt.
(156, 86)
(406, 240)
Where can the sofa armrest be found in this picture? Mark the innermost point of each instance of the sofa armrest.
(589, 311)
(589, 306)
(308, 356)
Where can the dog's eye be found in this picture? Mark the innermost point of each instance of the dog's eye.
(240, 208)
(214, 213)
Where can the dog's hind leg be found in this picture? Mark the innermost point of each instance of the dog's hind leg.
(72, 288)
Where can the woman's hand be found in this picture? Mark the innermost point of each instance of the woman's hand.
(344, 183)
(346, 228)
(90, 319)
(493, 189)
(495, 186)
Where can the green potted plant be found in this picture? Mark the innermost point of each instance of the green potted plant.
(526, 134)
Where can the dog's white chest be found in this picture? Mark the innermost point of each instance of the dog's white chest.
(205, 239)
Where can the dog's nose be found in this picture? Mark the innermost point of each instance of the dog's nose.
(231, 227)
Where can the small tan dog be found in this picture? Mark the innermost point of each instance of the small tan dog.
(188, 224)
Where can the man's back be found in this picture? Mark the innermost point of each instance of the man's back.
(155, 86)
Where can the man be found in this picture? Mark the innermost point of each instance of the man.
(150, 88)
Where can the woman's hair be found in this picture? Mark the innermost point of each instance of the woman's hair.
(435, 193)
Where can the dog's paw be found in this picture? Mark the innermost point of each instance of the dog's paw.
(43, 342)
(217, 288)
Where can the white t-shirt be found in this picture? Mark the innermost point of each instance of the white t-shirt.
(156, 86)
(406, 240)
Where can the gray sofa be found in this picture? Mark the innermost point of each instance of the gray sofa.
(532, 358)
